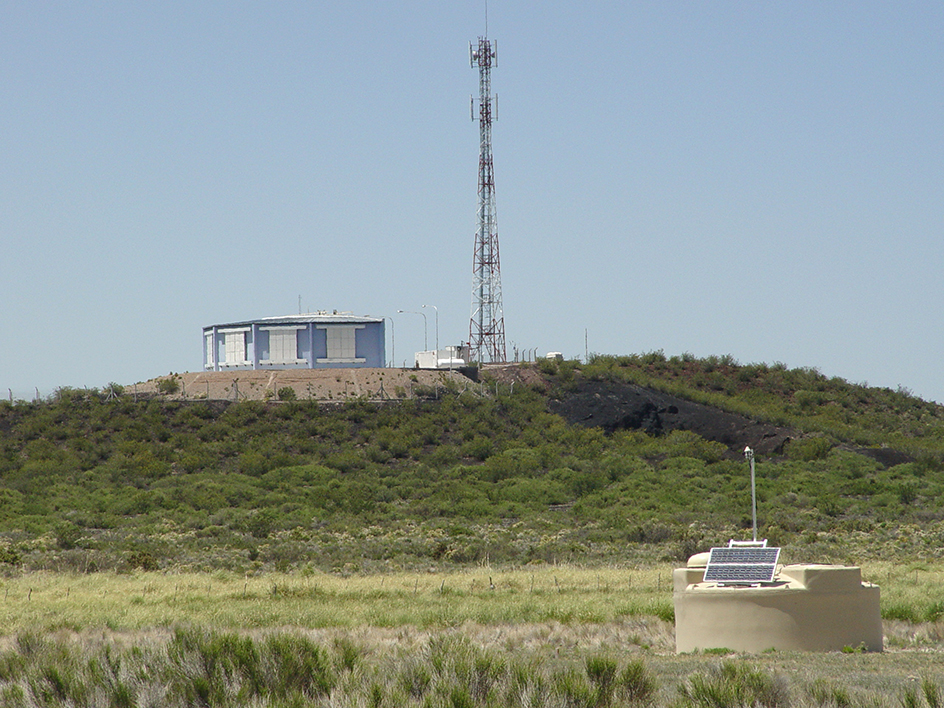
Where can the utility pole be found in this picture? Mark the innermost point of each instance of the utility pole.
(749, 454)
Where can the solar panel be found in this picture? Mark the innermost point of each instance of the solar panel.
(742, 565)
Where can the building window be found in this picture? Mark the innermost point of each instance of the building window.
(235, 347)
(283, 346)
(210, 358)
(341, 344)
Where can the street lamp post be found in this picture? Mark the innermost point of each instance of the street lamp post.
(749, 454)
(437, 328)
(423, 315)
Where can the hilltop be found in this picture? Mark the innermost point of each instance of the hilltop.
(620, 459)
(607, 404)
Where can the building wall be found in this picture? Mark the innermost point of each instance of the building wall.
(275, 344)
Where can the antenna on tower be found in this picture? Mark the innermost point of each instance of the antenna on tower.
(487, 324)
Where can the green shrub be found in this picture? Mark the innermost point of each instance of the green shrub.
(168, 386)
(261, 523)
(349, 655)
(601, 671)
(295, 669)
(829, 695)
(734, 685)
(217, 669)
(932, 693)
(286, 393)
(144, 560)
(636, 685)
(573, 687)
(901, 611)
(808, 449)
(10, 556)
(253, 464)
(67, 535)
(113, 390)
(910, 699)
(415, 679)
(807, 400)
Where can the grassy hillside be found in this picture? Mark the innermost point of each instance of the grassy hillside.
(801, 398)
(89, 481)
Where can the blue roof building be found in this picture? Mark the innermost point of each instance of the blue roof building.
(318, 340)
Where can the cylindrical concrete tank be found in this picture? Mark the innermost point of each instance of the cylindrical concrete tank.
(806, 608)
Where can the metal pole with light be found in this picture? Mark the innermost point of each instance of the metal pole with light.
(437, 328)
(749, 454)
(423, 315)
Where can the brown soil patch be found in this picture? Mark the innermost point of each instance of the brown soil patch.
(308, 384)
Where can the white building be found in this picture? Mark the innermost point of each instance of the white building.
(319, 340)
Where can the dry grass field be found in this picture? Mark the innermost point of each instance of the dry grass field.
(557, 625)
(134, 601)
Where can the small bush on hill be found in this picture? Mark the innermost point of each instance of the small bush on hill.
(168, 386)
(286, 393)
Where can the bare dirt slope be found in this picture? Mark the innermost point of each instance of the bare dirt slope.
(315, 384)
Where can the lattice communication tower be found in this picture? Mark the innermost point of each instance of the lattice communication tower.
(487, 325)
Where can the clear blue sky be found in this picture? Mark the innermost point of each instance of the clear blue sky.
(759, 179)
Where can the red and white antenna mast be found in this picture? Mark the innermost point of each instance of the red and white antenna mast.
(487, 325)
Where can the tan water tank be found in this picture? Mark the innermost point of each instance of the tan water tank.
(805, 608)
